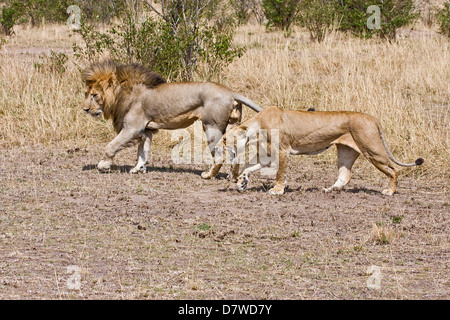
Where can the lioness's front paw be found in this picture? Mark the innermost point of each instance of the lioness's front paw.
(387, 192)
(242, 183)
(137, 169)
(104, 165)
(276, 191)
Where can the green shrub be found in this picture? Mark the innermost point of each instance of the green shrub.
(179, 45)
(353, 17)
(11, 13)
(95, 43)
(394, 14)
(104, 11)
(242, 10)
(318, 17)
(443, 18)
(281, 13)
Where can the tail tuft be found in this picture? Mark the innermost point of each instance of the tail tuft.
(311, 109)
(419, 161)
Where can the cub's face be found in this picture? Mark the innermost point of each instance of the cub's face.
(94, 100)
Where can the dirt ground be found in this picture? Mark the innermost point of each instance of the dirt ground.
(68, 231)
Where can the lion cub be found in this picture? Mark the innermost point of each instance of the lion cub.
(303, 132)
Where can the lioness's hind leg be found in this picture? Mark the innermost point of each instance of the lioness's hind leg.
(346, 158)
(278, 189)
(379, 158)
(392, 174)
(376, 153)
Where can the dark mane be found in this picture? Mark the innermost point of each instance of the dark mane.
(127, 75)
(132, 74)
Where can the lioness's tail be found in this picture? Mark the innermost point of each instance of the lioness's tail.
(249, 103)
(418, 161)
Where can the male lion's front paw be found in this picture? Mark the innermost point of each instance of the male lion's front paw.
(276, 191)
(104, 166)
(206, 175)
(138, 169)
(387, 192)
(332, 188)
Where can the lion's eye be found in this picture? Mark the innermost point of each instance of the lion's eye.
(93, 96)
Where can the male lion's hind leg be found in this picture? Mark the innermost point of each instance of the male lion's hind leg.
(143, 153)
(346, 158)
(213, 136)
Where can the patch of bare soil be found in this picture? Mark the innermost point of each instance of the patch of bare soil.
(68, 231)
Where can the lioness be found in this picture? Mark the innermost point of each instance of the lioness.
(304, 132)
(140, 102)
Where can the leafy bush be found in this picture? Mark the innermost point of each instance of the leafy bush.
(245, 9)
(443, 18)
(242, 10)
(281, 13)
(318, 17)
(11, 13)
(394, 14)
(36, 11)
(180, 44)
(353, 17)
(103, 11)
(95, 43)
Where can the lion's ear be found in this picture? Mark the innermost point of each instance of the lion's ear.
(109, 82)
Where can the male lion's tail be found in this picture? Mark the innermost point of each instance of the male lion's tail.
(249, 103)
(418, 161)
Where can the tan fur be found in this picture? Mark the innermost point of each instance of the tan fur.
(305, 132)
(140, 102)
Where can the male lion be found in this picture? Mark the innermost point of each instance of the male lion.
(140, 102)
(303, 132)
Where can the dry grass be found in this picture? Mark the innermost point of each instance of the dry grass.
(406, 85)
(383, 234)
